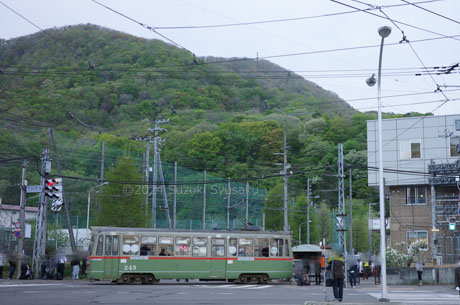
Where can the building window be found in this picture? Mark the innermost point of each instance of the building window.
(457, 125)
(415, 195)
(417, 236)
(410, 149)
(457, 241)
(454, 142)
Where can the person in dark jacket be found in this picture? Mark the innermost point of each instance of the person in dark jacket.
(12, 263)
(353, 274)
(337, 266)
(318, 272)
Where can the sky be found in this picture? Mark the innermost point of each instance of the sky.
(313, 46)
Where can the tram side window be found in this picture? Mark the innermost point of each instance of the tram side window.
(232, 248)
(166, 246)
(245, 247)
(261, 247)
(218, 247)
(116, 245)
(148, 245)
(100, 245)
(276, 247)
(183, 246)
(108, 245)
(199, 247)
(130, 245)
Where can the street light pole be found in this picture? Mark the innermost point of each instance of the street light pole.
(89, 202)
(384, 32)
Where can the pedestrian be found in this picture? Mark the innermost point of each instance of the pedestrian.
(457, 276)
(318, 272)
(62, 260)
(377, 272)
(367, 269)
(12, 262)
(2, 262)
(83, 266)
(75, 267)
(360, 271)
(419, 268)
(337, 267)
(353, 271)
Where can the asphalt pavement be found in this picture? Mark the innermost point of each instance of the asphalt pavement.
(68, 292)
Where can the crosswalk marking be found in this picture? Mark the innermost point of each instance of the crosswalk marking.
(250, 287)
(260, 287)
(420, 297)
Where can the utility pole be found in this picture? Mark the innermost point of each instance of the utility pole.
(175, 195)
(157, 169)
(341, 216)
(66, 203)
(247, 203)
(165, 194)
(228, 203)
(285, 174)
(22, 215)
(203, 214)
(350, 223)
(308, 211)
(146, 173)
(40, 227)
(157, 165)
(102, 161)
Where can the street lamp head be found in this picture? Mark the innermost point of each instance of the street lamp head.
(371, 81)
(384, 31)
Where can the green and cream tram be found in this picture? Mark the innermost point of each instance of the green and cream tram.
(139, 255)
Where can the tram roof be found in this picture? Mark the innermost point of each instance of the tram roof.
(307, 248)
(151, 230)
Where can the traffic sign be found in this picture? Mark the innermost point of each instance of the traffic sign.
(17, 234)
(17, 225)
(34, 189)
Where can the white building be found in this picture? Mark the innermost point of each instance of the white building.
(420, 156)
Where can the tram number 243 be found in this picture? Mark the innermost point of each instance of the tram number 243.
(129, 268)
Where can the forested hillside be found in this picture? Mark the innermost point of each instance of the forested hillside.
(227, 116)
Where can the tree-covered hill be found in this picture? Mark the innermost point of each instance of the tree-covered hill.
(227, 116)
(104, 77)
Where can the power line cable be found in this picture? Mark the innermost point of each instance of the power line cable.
(274, 20)
(393, 20)
(430, 11)
(143, 25)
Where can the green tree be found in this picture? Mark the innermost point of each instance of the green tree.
(122, 204)
(274, 219)
(324, 223)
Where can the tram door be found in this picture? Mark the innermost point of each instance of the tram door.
(111, 251)
(218, 258)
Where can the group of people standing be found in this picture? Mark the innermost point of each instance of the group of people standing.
(51, 268)
(58, 264)
(11, 259)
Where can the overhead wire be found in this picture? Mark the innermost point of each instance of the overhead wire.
(430, 11)
(143, 25)
(274, 20)
(396, 21)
